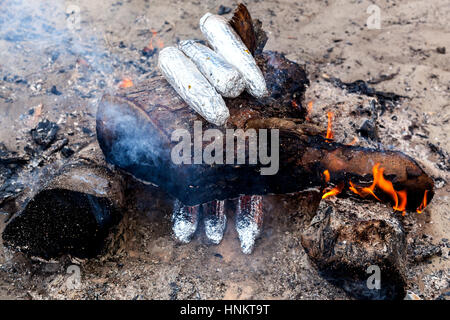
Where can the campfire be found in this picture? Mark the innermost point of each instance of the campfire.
(80, 206)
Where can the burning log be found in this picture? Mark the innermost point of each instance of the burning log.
(134, 131)
(71, 214)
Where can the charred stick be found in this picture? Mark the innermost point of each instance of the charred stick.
(243, 25)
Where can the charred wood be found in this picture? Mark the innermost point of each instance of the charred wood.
(71, 214)
(354, 247)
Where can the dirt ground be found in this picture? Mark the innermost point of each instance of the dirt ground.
(409, 55)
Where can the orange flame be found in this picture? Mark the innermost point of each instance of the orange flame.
(399, 197)
(329, 128)
(387, 187)
(326, 173)
(335, 191)
(403, 199)
(424, 203)
(309, 109)
(126, 83)
(364, 192)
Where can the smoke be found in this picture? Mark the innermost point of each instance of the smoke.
(37, 33)
(53, 48)
(133, 145)
(58, 55)
(29, 30)
(49, 55)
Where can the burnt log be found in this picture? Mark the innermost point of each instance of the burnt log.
(70, 214)
(243, 25)
(359, 248)
(134, 131)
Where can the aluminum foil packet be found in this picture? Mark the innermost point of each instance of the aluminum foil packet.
(215, 220)
(249, 219)
(192, 86)
(184, 221)
(229, 45)
(223, 76)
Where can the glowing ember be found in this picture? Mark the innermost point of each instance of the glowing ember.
(355, 140)
(155, 42)
(335, 191)
(329, 130)
(423, 204)
(309, 109)
(326, 173)
(126, 83)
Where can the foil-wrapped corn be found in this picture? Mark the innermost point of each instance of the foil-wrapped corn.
(184, 221)
(192, 86)
(229, 45)
(249, 219)
(215, 220)
(223, 76)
